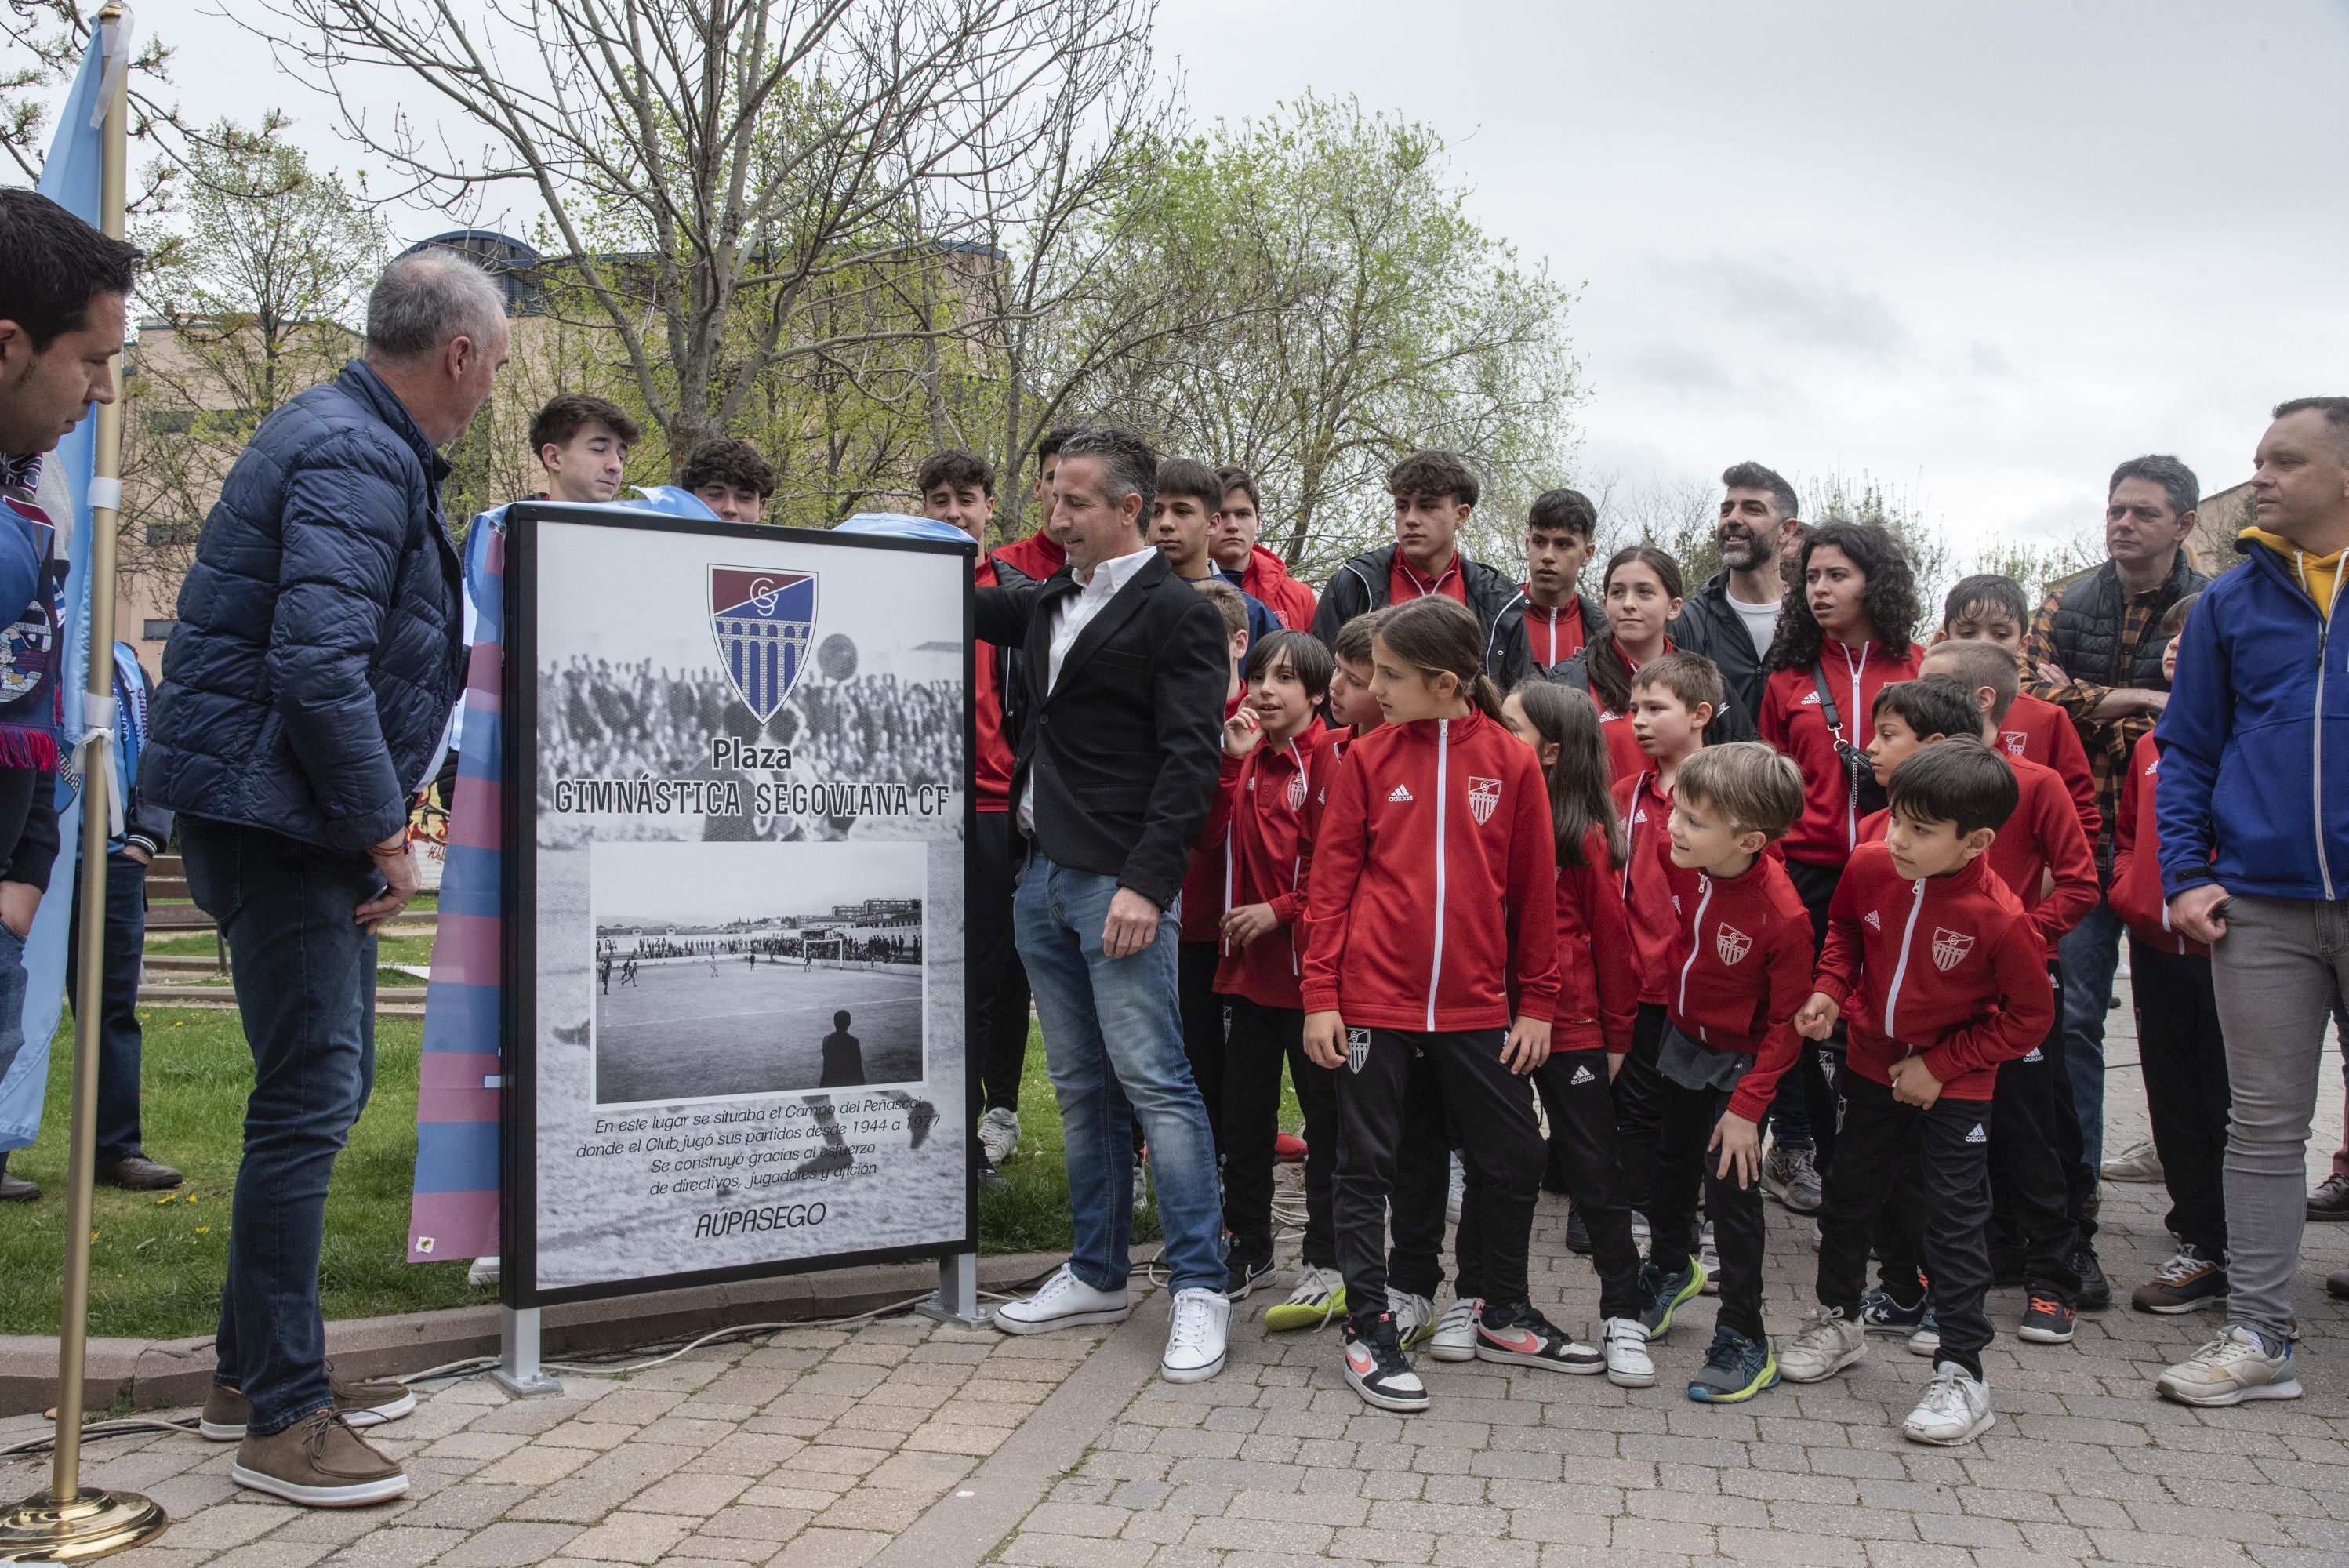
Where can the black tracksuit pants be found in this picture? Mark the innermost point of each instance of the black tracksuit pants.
(1500, 1140)
(1946, 1152)
(1203, 1028)
(2029, 1183)
(1683, 1166)
(1582, 1154)
(996, 975)
(1262, 1038)
(2185, 1064)
(1817, 1063)
(1637, 1094)
(1422, 1181)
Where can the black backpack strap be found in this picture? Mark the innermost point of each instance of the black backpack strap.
(1827, 709)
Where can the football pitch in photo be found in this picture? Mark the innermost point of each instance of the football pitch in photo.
(682, 1031)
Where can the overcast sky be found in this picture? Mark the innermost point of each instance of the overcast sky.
(1980, 250)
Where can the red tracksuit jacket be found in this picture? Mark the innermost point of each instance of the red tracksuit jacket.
(1598, 969)
(1202, 903)
(2041, 732)
(1791, 721)
(991, 763)
(1650, 882)
(1741, 969)
(2136, 859)
(2043, 836)
(1264, 863)
(1949, 967)
(1433, 887)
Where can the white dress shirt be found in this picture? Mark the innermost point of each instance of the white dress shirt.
(1070, 616)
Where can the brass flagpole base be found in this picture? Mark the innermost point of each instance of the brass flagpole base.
(94, 1524)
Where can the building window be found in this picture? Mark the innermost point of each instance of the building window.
(157, 630)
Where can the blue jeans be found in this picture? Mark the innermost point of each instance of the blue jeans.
(13, 984)
(2091, 954)
(119, 1038)
(305, 977)
(1113, 1046)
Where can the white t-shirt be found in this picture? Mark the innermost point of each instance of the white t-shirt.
(1760, 622)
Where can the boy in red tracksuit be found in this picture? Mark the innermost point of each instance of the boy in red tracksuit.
(1433, 897)
(2186, 1091)
(1991, 609)
(1739, 966)
(1945, 977)
(1266, 782)
(2040, 846)
(1673, 699)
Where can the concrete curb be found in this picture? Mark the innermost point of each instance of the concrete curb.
(163, 1373)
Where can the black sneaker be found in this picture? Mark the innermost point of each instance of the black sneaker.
(1578, 1235)
(2046, 1321)
(1665, 1294)
(1378, 1369)
(1519, 1336)
(2328, 1203)
(1736, 1370)
(2096, 1290)
(1881, 1312)
(1245, 1273)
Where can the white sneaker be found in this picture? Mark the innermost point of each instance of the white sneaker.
(1825, 1343)
(1708, 1253)
(999, 1135)
(1063, 1301)
(1955, 1408)
(1194, 1339)
(2231, 1370)
(1454, 1338)
(1414, 1316)
(1456, 1192)
(1625, 1341)
(2138, 1162)
(483, 1272)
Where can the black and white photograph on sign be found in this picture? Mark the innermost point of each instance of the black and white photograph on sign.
(748, 792)
(746, 969)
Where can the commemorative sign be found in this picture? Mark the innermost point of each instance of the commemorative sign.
(737, 817)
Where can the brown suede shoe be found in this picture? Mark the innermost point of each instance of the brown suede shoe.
(318, 1462)
(137, 1174)
(360, 1404)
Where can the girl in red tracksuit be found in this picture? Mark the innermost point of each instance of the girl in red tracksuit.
(1590, 1030)
(1267, 789)
(1843, 637)
(1943, 976)
(1432, 898)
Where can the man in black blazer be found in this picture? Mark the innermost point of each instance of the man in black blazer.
(1125, 669)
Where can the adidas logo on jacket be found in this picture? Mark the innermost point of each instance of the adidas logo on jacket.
(1435, 848)
(1950, 967)
(1740, 967)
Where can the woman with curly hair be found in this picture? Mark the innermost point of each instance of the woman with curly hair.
(1843, 637)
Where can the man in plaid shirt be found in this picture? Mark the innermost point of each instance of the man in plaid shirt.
(2096, 649)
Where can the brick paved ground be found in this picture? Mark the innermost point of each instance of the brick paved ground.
(905, 1445)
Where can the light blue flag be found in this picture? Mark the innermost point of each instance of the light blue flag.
(70, 178)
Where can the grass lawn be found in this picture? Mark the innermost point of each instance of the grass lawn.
(158, 1263)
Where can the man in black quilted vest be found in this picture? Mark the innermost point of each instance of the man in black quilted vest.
(2094, 650)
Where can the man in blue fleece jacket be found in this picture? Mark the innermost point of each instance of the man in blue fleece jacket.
(2252, 802)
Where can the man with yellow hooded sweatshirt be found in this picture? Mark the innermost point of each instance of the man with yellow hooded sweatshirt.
(2252, 804)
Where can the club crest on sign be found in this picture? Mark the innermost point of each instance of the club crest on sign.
(1732, 943)
(1949, 947)
(1483, 794)
(1297, 792)
(1358, 1050)
(763, 621)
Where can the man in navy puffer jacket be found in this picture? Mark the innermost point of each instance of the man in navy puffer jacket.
(305, 693)
(2252, 804)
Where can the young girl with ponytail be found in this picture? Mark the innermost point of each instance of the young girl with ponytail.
(1433, 901)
